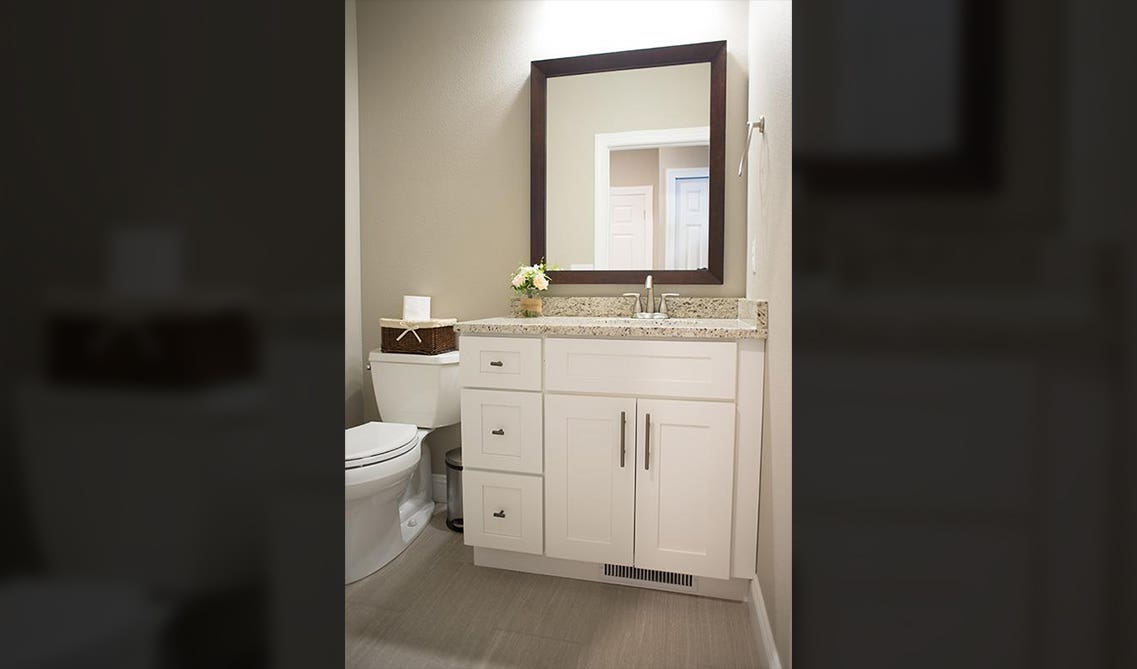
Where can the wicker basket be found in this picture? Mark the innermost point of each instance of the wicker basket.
(419, 337)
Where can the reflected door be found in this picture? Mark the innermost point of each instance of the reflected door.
(692, 203)
(630, 228)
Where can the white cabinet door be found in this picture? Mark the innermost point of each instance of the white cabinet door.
(590, 478)
(684, 486)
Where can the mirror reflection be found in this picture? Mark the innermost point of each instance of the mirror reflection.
(628, 169)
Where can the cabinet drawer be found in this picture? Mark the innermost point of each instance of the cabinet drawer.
(501, 430)
(512, 363)
(659, 368)
(502, 511)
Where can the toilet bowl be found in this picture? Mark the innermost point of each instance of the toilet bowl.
(381, 518)
(387, 481)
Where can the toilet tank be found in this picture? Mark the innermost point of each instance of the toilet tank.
(418, 389)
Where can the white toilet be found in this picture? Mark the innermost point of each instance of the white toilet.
(387, 499)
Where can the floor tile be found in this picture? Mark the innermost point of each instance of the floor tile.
(367, 631)
(431, 607)
(567, 609)
(512, 650)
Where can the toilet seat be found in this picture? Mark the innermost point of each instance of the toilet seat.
(375, 442)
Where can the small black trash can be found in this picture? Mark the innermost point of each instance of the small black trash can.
(454, 489)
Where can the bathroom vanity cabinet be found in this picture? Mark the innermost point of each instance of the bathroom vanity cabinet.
(583, 455)
(639, 482)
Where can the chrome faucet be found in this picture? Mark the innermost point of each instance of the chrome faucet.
(648, 310)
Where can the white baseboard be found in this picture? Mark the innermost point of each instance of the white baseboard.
(438, 487)
(760, 619)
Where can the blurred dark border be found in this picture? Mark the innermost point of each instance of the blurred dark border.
(170, 396)
(964, 357)
(971, 162)
(964, 345)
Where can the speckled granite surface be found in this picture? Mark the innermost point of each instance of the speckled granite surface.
(578, 312)
(755, 311)
(677, 307)
(616, 327)
(702, 307)
(580, 306)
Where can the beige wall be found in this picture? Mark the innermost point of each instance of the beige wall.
(352, 332)
(770, 229)
(579, 108)
(637, 167)
(444, 142)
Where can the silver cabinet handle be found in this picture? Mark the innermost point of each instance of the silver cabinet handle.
(499, 514)
(496, 363)
(623, 421)
(498, 432)
(647, 439)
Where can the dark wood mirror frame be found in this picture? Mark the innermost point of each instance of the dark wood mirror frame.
(705, 52)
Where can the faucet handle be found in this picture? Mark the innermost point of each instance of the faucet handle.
(638, 305)
(663, 301)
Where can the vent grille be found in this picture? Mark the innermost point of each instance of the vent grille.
(650, 575)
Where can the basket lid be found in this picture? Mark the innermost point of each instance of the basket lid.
(416, 325)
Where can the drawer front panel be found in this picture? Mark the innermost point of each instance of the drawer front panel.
(704, 370)
(502, 511)
(501, 430)
(512, 363)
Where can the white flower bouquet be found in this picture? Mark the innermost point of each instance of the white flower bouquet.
(528, 279)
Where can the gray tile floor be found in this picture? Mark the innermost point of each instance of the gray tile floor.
(431, 607)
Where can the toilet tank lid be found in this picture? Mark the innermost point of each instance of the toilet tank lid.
(448, 358)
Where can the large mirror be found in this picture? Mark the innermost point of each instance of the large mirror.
(628, 165)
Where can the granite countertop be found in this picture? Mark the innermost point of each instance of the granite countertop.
(602, 326)
(691, 318)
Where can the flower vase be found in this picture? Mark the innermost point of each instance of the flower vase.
(530, 306)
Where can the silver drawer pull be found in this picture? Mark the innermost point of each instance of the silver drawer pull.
(499, 514)
(496, 363)
(498, 432)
